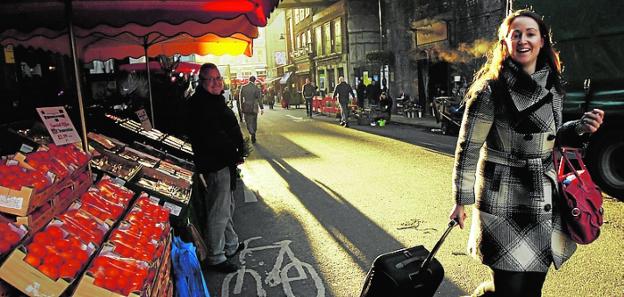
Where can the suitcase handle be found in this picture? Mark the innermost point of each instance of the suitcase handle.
(435, 249)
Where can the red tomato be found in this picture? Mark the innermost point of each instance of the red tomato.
(53, 260)
(50, 271)
(42, 238)
(4, 247)
(62, 245)
(37, 250)
(32, 260)
(11, 237)
(55, 232)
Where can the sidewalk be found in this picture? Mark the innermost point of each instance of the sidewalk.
(427, 121)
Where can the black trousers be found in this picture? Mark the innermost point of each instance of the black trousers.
(308, 103)
(514, 284)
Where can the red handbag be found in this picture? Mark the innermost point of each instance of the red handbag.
(581, 199)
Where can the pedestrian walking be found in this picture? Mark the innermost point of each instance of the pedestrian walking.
(286, 98)
(251, 104)
(360, 90)
(343, 90)
(307, 91)
(217, 148)
(510, 127)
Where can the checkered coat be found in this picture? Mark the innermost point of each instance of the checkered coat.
(503, 165)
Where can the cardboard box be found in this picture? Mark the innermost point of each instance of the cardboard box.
(38, 219)
(86, 288)
(28, 279)
(62, 200)
(24, 201)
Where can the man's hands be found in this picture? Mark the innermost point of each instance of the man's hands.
(458, 214)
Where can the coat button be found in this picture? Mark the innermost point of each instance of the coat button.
(551, 137)
(547, 207)
(528, 137)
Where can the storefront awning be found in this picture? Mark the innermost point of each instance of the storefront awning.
(285, 78)
(272, 80)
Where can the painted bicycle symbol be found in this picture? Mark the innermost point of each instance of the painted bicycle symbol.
(278, 275)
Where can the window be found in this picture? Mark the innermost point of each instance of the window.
(298, 45)
(327, 38)
(303, 40)
(337, 36)
(319, 41)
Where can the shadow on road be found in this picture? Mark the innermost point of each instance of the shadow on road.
(362, 239)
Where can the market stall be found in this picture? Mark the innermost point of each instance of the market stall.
(96, 219)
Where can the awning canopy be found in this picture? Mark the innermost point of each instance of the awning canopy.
(27, 15)
(181, 67)
(285, 78)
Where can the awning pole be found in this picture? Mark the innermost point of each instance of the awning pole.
(72, 43)
(149, 81)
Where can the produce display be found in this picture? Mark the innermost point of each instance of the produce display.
(135, 245)
(177, 193)
(136, 156)
(124, 171)
(15, 177)
(119, 275)
(10, 236)
(83, 226)
(175, 171)
(57, 253)
(107, 143)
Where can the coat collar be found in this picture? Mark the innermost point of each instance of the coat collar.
(526, 91)
(529, 92)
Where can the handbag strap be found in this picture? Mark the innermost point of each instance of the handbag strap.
(565, 160)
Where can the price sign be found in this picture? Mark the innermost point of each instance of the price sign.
(58, 124)
(144, 119)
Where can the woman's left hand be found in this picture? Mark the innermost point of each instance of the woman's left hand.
(591, 120)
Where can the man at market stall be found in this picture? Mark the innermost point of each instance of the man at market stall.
(218, 148)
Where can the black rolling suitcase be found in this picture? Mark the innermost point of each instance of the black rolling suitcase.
(408, 272)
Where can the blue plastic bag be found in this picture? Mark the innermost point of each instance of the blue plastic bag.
(189, 278)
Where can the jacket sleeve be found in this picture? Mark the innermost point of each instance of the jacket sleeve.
(475, 127)
(567, 136)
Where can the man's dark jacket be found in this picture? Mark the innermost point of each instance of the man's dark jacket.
(343, 90)
(214, 131)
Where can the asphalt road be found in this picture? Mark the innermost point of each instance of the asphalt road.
(319, 202)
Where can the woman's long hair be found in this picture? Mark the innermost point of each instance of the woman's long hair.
(499, 53)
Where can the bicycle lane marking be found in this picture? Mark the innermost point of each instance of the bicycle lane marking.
(277, 275)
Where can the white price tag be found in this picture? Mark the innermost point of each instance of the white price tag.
(154, 200)
(11, 202)
(25, 148)
(173, 209)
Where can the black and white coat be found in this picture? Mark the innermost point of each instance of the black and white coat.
(503, 165)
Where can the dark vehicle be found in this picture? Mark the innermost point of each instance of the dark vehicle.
(590, 36)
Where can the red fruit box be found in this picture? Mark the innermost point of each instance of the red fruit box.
(10, 235)
(25, 200)
(38, 218)
(64, 198)
(112, 276)
(29, 279)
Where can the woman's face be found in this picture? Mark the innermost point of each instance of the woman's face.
(213, 82)
(524, 41)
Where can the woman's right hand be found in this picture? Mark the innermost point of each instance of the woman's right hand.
(459, 215)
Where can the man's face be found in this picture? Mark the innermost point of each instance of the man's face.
(307, 81)
(213, 82)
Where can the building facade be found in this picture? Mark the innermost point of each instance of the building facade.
(438, 45)
(327, 42)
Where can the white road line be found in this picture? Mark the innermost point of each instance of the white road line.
(250, 196)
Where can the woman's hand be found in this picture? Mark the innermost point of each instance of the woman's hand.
(591, 121)
(458, 214)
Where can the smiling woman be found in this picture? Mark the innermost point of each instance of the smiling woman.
(503, 159)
